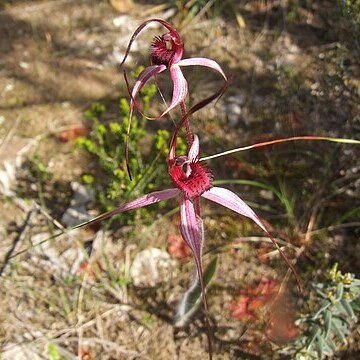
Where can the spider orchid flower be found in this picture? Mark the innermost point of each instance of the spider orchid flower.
(166, 53)
(192, 180)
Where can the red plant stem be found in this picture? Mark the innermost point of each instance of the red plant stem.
(185, 117)
(203, 295)
(197, 206)
(186, 123)
(189, 136)
(207, 322)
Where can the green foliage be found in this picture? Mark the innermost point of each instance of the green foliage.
(53, 353)
(192, 7)
(147, 320)
(189, 9)
(4, 3)
(335, 304)
(106, 143)
(95, 111)
(351, 9)
(292, 13)
(39, 169)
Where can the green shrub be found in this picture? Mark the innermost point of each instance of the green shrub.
(334, 304)
(106, 143)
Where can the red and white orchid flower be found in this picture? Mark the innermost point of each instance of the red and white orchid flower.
(166, 53)
(192, 180)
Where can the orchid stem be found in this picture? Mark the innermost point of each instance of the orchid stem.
(197, 206)
(186, 123)
(203, 295)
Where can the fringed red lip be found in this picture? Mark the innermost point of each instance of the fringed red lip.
(193, 184)
(166, 49)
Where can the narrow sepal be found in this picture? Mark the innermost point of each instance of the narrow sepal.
(191, 227)
(203, 62)
(180, 89)
(193, 154)
(193, 233)
(142, 79)
(142, 201)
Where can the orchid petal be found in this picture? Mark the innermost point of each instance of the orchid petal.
(230, 200)
(203, 62)
(180, 88)
(143, 78)
(193, 233)
(142, 201)
(191, 229)
(194, 149)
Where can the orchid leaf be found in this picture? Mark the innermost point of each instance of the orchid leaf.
(191, 300)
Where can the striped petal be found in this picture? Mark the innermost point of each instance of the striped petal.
(203, 62)
(230, 200)
(194, 149)
(180, 89)
(142, 79)
(192, 229)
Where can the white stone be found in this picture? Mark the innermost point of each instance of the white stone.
(24, 65)
(151, 267)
